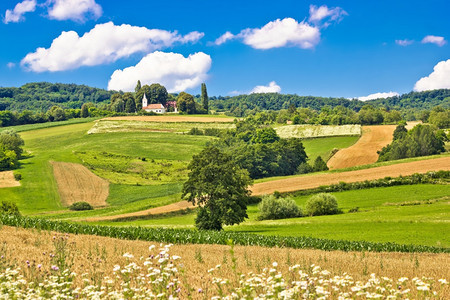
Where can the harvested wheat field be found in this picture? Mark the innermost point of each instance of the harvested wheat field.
(175, 118)
(96, 257)
(314, 181)
(152, 211)
(364, 151)
(76, 183)
(7, 179)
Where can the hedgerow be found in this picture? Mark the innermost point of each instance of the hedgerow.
(186, 236)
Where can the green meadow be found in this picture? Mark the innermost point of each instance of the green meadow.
(146, 169)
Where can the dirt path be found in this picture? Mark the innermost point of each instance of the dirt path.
(314, 181)
(309, 182)
(175, 118)
(7, 179)
(364, 151)
(76, 183)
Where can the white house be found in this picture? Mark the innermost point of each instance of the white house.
(156, 108)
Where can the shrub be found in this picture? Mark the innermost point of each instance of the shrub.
(304, 168)
(320, 165)
(81, 206)
(322, 204)
(9, 208)
(272, 208)
(195, 131)
(17, 176)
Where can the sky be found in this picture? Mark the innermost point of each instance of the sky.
(353, 49)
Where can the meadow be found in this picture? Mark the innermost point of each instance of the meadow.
(146, 169)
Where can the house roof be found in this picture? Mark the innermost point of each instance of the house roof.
(154, 106)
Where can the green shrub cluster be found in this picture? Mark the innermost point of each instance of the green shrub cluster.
(9, 208)
(81, 206)
(272, 208)
(186, 236)
(322, 204)
(207, 131)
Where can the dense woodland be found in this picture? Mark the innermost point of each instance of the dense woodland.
(46, 102)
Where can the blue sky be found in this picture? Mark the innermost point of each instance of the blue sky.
(327, 48)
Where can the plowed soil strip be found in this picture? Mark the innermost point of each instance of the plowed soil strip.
(7, 179)
(76, 183)
(172, 119)
(364, 151)
(314, 181)
(152, 211)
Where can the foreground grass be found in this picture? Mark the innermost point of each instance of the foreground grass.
(96, 257)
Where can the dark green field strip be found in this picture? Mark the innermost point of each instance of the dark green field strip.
(184, 236)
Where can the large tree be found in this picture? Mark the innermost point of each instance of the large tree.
(155, 93)
(186, 103)
(205, 98)
(219, 187)
(11, 140)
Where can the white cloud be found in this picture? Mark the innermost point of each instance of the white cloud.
(105, 43)
(438, 79)
(378, 96)
(19, 10)
(404, 42)
(176, 72)
(75, 10)
(438, 40)
(224, 38)
(10, 65)
(273, 87)
(317, 14)
(281, 33)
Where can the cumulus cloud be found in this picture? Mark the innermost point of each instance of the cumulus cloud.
(16, 15)
(105, 43)
(317, 14)
(438, 40)
(176, 72)
(273, 87)
(224, 38)
(378, 96)
(281, 33)
(75, 10)
(404, 42)
(438, 79)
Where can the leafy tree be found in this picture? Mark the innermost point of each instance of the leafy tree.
(56, 113)
(400, 132)
(440, 118)
(266, 135)
(155, 93)
(8, 159)
(204, 97)
(138, 86)
(219, 186)
(11, 140)
(130, 105)
(186, 103)
(320, 164)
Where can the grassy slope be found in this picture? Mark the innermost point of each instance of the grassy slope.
(425, 224)
(38, 192)
(324, 146)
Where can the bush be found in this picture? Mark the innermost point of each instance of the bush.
(320, 165)
(17, 176)
(304, 168)
(322, 204)
(272, 208)
(9, 208)
(195, 131)
(81, 206)
(212, 132)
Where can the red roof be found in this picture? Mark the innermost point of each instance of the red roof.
(154, 106)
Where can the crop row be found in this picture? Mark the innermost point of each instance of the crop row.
(186, 236)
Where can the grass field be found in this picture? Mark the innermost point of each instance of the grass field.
(324, 146)
(417, 214)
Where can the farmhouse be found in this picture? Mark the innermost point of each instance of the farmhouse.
(158, 107)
